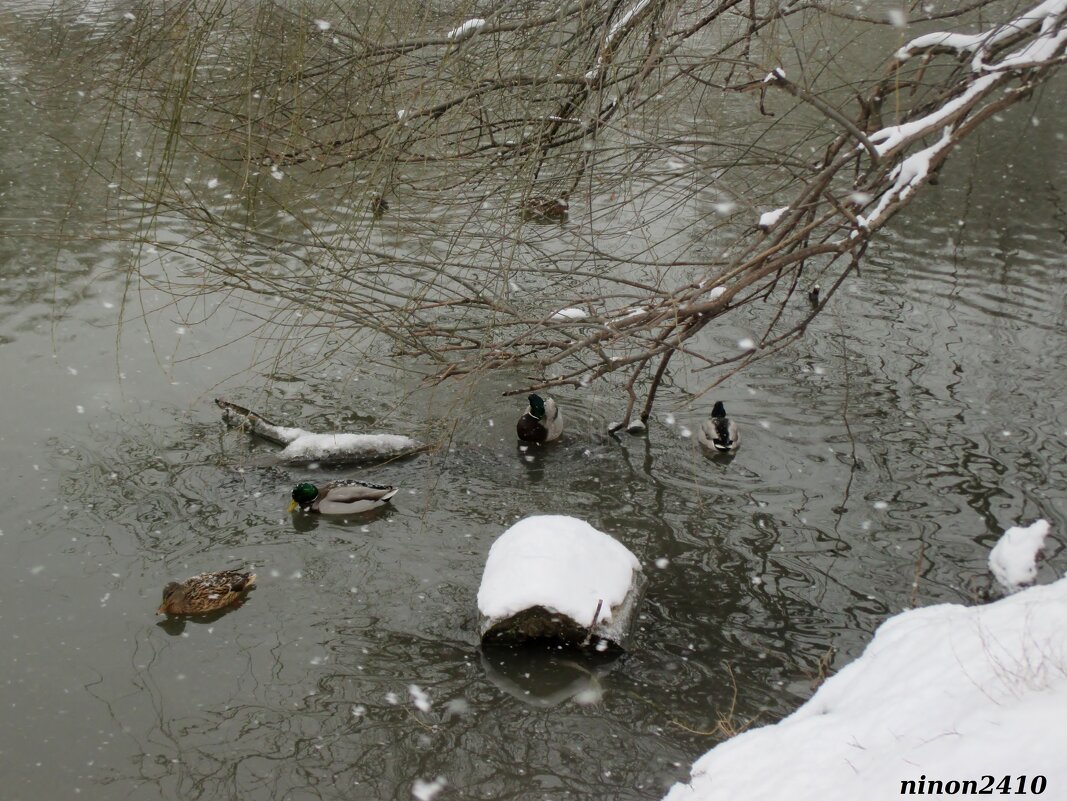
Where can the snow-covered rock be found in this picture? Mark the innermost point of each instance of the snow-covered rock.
(1013, 560)
(548, 575)
(947, 693)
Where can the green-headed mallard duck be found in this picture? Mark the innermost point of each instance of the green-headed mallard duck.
(720, 433)
(543, 208)
(205, 593)
(344, 497)
(542, 421)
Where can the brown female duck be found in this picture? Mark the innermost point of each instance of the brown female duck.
(207, 592)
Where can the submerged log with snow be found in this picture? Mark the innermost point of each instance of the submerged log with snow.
(305, 446)
(558, 578)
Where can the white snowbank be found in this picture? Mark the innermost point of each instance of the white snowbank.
(769, 219)
(322, 446)
(558, 562)
(949, 693)
(1013, 559)
(570, 314)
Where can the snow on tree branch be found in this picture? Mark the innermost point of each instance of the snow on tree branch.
(623, 117)
(984, 45)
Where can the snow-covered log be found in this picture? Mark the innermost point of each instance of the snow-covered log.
(305, 446)
(553, 577)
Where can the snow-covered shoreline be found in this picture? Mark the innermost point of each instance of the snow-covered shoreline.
(946, 693)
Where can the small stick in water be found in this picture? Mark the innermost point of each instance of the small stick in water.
(592, 625)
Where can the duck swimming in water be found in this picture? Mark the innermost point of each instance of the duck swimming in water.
(344, 497)
(720, 433)
(207, 592)
(546, 209)
(813, 296)
(542, 421)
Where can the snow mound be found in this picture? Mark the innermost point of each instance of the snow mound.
(560, 563)
(946, 693)
(1013, 560)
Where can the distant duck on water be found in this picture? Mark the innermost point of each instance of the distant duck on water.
(813, 296)
(544, 209)
(542, 421)
(720, 433)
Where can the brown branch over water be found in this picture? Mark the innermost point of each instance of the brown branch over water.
(622, 103)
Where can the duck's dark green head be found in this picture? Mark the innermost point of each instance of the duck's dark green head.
(537, 406)
(718, 410)
(305, 493)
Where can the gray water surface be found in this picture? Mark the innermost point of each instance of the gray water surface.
(923, 413)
